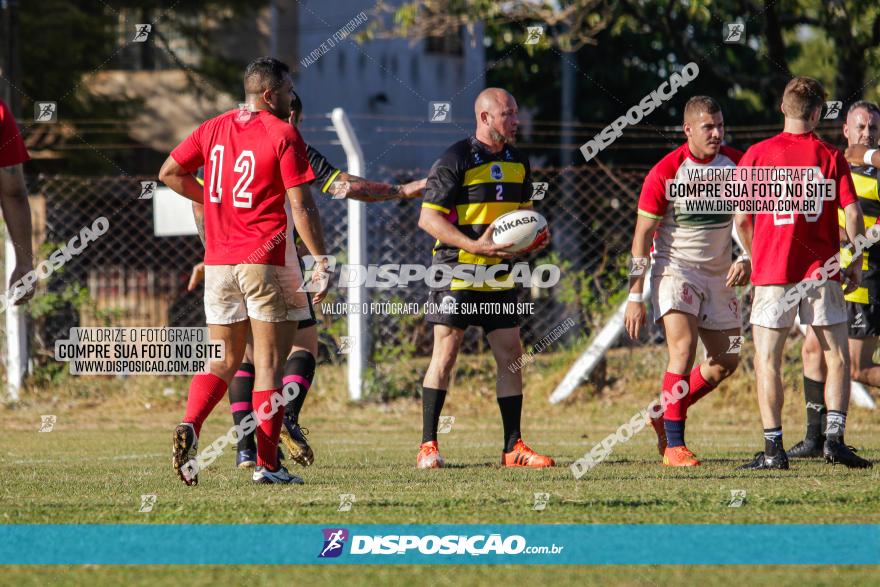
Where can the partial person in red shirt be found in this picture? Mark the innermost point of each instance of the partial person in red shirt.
(14, 202)
(253, 159)
(301, 362)
(796, 270)
(861, 129)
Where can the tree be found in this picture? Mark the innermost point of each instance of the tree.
(575, 22)
(62, 41)
(623, 50)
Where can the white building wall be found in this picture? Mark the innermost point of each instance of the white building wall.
(381, 81)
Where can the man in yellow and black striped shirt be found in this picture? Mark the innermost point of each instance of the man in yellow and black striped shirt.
(473, 183)
(862, 128)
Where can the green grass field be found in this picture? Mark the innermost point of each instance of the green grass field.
(111, 444)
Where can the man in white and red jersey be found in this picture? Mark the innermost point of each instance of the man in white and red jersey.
(796, 270)
(252, 159)
(692, 279)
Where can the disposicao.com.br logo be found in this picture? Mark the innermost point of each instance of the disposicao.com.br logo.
(334, 540)
(476, 545)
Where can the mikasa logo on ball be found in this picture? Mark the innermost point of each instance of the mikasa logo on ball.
(521, 231)
(513, 223)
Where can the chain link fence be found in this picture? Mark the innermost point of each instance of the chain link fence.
(130, 277)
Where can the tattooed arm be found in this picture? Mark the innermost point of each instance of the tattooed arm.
(199, 217)
(358, 188)
(340, 184)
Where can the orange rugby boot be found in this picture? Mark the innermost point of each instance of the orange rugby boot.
(523, 456)
(429, 456)
(679, 456)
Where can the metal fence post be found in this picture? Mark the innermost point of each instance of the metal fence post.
(357, 253)
(603, 341)
(16, 333)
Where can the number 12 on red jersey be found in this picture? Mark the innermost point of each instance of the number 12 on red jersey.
(244, 166)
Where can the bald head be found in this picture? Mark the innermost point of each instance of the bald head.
(862, 125)
(492, 99)
(497, 117)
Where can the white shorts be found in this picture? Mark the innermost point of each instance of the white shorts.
(775, 306)
(234, 293)
(696, 293)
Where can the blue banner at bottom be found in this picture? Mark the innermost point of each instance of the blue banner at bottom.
(694, 544)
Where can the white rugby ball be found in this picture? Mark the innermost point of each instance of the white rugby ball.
(524, 230)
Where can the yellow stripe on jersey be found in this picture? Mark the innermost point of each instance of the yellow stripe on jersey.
(866, 187)
(869, 220)
(435, 207)
(472, 259)
(510, 173)
(846, 259)
(483, 212)
(526, 205)
(860, 296)
(505, 282)
(649, 215)
(330, 179)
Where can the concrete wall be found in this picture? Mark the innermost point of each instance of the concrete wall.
(386, 87)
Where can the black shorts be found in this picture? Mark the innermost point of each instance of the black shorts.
(864, 320)
(308, 322)
(490, 310)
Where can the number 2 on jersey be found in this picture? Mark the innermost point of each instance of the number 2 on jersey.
(244, 165)
(498, 190)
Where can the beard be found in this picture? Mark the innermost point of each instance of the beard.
(500, 138)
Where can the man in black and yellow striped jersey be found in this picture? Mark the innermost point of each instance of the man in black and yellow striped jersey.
(473, 183)
(862, 130)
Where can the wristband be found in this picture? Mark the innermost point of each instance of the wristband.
(867, 158)
(636, 297)
(743, 257)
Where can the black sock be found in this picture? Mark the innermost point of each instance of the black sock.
(674, 432)
(814, 396)
(240, 401)
(836, 425)
(772, 441)
(432, 405)
(511, 411)
(300, 368)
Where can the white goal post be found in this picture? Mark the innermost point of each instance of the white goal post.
(16, 333)
(357, 256)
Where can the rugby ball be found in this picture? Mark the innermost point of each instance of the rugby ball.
(524, 230)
